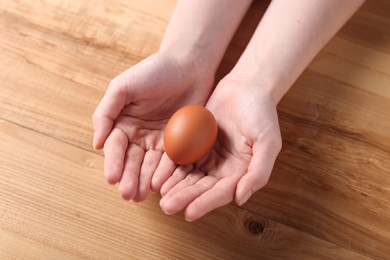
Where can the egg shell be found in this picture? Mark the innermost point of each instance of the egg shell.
(190, 134)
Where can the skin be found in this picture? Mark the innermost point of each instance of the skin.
(246, 149)
(129, 120)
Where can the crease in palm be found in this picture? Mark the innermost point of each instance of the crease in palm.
(240, 162)
(133, 148)
(245, 120)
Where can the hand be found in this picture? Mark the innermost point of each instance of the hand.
(241, 161)
(130, 119)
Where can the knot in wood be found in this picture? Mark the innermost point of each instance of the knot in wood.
(255, 227)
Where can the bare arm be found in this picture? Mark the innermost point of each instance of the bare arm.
(244, 104)
(290, 34)
(202, 29)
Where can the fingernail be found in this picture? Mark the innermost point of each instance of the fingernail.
(189, 219)
(245, 198)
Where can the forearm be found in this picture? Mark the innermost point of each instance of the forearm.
(203, 29)
(290, 34)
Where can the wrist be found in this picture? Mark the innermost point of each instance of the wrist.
(194, 60)
(200, 31)
(254, 87)
(269, 82)
(193, 54)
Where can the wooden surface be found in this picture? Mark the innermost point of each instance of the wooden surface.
(329, 194)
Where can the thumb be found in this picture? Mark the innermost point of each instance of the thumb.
(259, 170)
(115, 99)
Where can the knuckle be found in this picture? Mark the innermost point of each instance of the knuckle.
(95, 116)
(261, 182)
(278, 144)
(275, 144)
(114, 82)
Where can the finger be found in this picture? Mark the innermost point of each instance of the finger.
(178, 175)
(164, 170)
(115, 99)
(179, 200)
(149, 165)
(189, 180)
(114, 155)
(129, 183)
(259, 170)
(219, 195)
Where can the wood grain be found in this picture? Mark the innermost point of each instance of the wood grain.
(55, 204)
(332, 176)
(328, 197)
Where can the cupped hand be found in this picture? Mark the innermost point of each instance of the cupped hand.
(130, 119)
(241, 161)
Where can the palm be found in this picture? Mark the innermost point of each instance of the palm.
(132, 115)
(247, 145)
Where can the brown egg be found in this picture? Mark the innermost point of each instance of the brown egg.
(190, 134)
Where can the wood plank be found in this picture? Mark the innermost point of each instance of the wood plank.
(331, 179)
(86, 44)
(369, 29)
(336, 143)
(70, 70)
(356, 75)
(55, 204)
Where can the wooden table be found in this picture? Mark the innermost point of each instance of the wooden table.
(329, 194)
